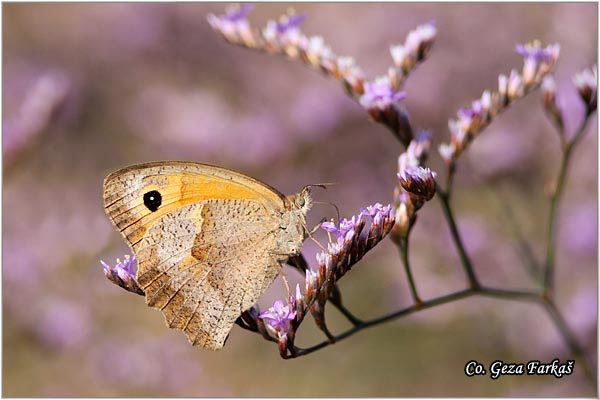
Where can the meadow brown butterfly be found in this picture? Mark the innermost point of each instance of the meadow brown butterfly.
(209, 241)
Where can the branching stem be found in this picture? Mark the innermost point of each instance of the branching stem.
(554, 205)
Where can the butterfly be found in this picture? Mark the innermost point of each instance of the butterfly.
(209, 241)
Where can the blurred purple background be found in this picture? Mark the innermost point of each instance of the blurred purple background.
(90, 88)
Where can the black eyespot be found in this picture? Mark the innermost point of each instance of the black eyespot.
(152, 200)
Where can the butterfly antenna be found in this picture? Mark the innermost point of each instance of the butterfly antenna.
(321, 185)
(337, 210)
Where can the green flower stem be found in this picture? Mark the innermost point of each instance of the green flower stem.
(464, 258)
(405, 261)
(554, 205)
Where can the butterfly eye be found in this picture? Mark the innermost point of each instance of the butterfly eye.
(152, 200)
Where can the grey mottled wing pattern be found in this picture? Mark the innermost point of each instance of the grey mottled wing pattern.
(204, 292)
(208, 251)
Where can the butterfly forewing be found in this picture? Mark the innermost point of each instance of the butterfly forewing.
(205, 239)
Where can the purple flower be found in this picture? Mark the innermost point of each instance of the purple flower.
(123, 274)
(312, 279)
(424, 34)
(416, 152)
(415, 47)
(377, 212)
(233, 25)
(515, 86)
(330, 227)
(292, 21)
(424, 136)
(459, 128)
(345, 229)
(419, 181)
(467, 113)
(124, 269)
(286, 36)
(239, 13)
(502, 85)
(279, 317)
(470, 119)
(534, 51)
(380, 94)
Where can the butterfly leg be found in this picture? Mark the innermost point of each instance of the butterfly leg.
(285, 281)
(311, 237)
(316, 228)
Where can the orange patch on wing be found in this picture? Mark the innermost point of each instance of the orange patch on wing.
(196, 188)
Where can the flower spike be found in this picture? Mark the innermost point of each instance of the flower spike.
(538, 62)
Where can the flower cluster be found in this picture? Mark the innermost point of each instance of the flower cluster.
(285, 37)
(586, 84)
(415, 49)
(123, 274)
(235, 27)
(538, 62)
(380, 97)
(350, 243)
(417, 151)
(416, 185)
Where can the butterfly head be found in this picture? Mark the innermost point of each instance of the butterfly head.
(302, 201)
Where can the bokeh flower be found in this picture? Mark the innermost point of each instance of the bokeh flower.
(586, 83)
(550, 104)
(416, 47)
(234, 25)
(380, 94)
(538, 62)
(535, 52)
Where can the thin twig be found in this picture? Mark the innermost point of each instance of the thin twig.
(349, 316)
(464, 258)
(388, 317)
(505, 294)
(405, 261)
(569, 337)
(554, 205)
